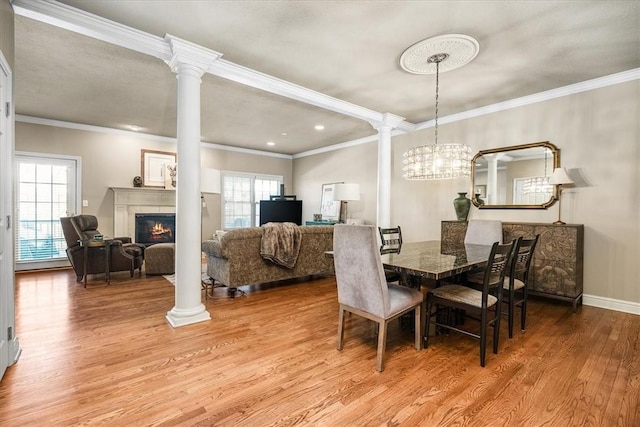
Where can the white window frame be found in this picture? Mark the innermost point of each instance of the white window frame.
(52, 263)
(253, 202)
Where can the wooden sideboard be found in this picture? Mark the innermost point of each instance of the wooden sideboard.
(556, 270)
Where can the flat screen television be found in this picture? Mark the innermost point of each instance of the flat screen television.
(281, 211)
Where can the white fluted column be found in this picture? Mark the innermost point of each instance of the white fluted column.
(189, 62)
(384, 128)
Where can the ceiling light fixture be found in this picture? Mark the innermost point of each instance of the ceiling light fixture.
(319, 127)
(444, 161)
(538, 184)
(271, 143)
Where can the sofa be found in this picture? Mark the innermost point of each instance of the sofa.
(233, 258)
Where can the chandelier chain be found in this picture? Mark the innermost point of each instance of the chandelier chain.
(437, 86)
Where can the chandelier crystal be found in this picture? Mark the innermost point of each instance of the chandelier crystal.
(537, 185)
(430, 162)
(444, 161)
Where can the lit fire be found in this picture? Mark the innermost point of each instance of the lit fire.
(159, 231)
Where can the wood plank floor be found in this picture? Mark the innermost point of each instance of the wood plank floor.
(105, 355)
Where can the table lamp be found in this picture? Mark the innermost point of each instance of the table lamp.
(346, 192)
(560, 178)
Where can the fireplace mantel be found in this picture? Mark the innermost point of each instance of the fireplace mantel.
(129, 201)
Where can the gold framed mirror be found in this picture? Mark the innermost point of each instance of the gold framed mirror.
(515, 177)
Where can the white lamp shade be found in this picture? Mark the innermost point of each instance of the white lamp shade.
(210, 181)
(560, 177)
(347, 192)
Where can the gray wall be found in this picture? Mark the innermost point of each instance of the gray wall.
(6, 32)
(112, 160)
(598, 133)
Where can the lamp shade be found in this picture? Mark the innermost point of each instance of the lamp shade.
(210, 181)
(560, 177)
(347, 192)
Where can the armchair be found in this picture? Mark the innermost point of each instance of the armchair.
(82, 228)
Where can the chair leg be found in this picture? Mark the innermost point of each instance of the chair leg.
(523, 309)
(512, 297)
(340, 328)
(382, 341)
(483, 337)
(427, 324)
(496, 327)
(418, 327)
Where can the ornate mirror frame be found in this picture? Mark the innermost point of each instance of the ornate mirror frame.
(508, 153)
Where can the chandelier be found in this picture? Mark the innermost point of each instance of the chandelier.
(538, 184)
(438, 161)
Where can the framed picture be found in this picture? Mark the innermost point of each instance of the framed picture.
(330, 208)
(153, 167)
(481, 190)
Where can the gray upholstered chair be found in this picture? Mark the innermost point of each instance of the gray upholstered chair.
(363, 289)
(483, 232)
(483, 305)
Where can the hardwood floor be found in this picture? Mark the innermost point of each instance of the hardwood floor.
(105, 355)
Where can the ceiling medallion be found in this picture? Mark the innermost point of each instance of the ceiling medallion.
(444, 161)
(461, 50)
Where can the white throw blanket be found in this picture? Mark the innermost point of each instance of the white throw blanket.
(281, 243)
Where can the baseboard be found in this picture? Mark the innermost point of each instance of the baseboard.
(611, 304)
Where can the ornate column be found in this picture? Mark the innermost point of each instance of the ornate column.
(384, 127)
(189, 62)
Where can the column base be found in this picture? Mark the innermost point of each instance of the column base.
(14, 351)
(177, 317)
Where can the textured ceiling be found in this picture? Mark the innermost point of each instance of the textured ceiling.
(345, 49)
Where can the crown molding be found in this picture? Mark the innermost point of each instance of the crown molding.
(346, 144)
(158, 138)
(258, 80)
(598, 83)
(67, 17)
(585, 86)
(72, 19)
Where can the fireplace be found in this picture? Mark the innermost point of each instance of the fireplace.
(154, 228)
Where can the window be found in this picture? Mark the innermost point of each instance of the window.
(45, 191)
(241, 194)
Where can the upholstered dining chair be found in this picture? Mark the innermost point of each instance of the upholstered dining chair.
(363, 289)
(483, 232)
(391, 243)
(483, 305)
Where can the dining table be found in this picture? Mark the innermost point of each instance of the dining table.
(435, 259)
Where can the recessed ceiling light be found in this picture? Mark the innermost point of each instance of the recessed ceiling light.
(283, 134)
(134, 128)
(319, 127)
(271, 143)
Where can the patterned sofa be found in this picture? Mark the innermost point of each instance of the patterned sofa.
(234, 259)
